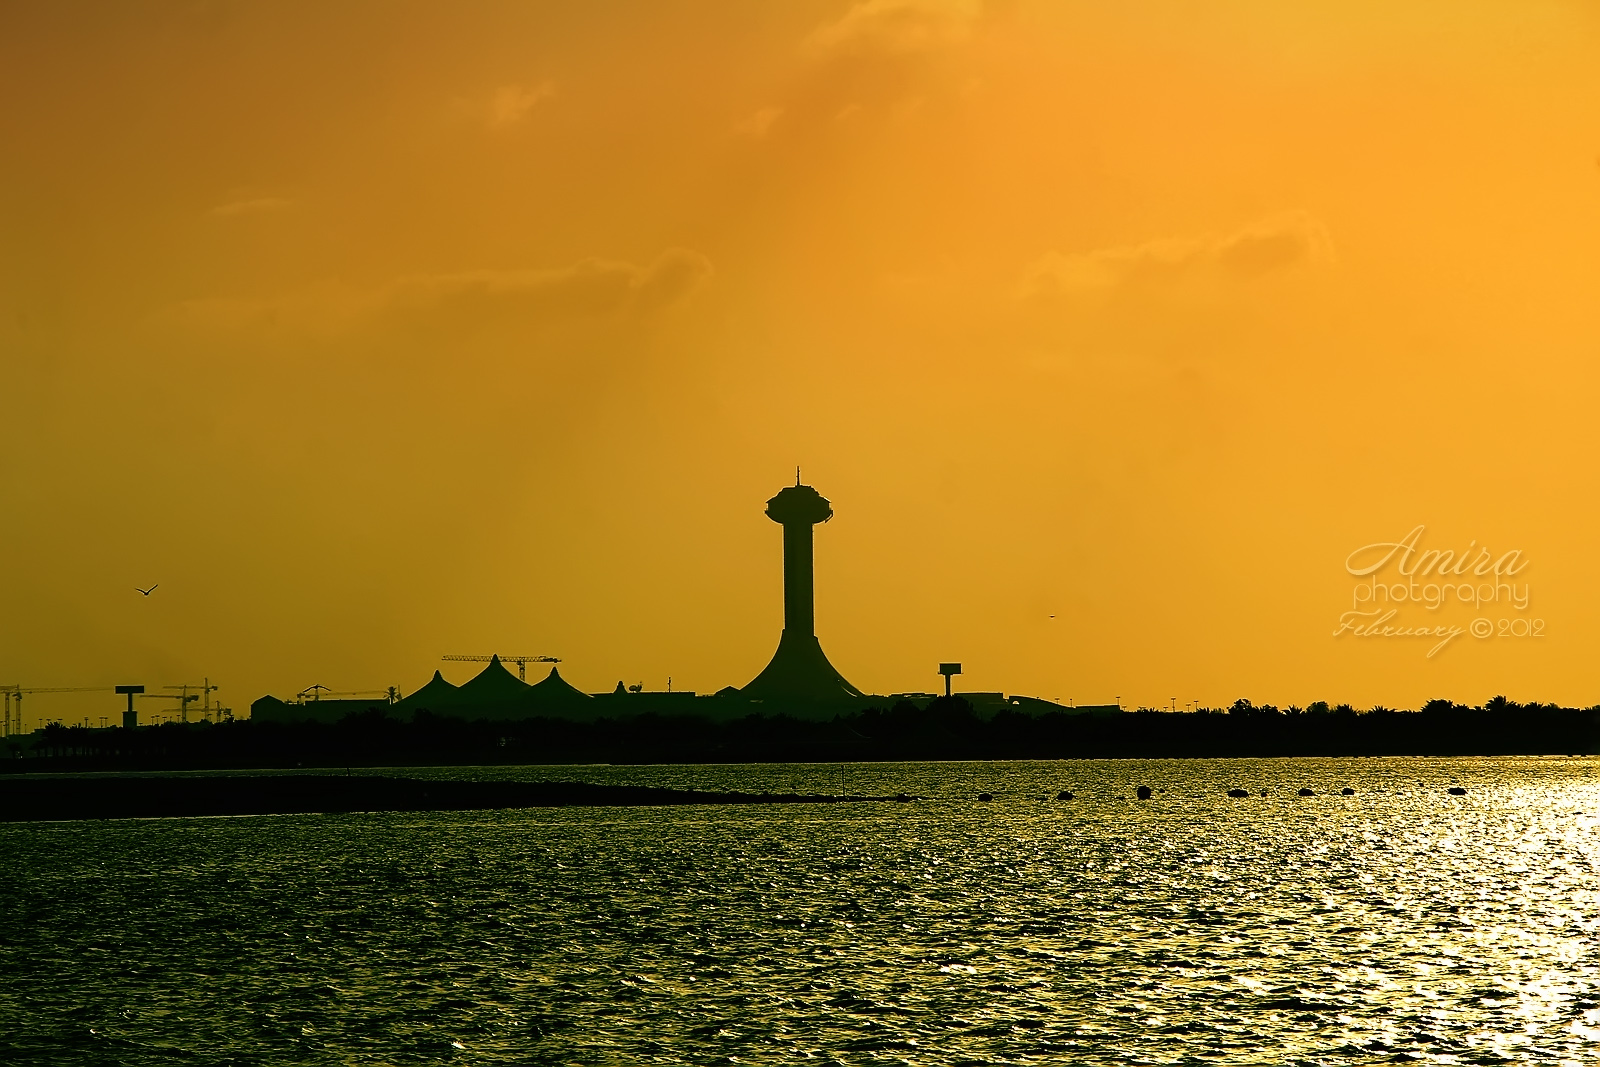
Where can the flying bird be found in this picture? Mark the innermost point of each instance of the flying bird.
(147, 592)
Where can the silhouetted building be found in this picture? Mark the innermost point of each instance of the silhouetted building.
(988, 705)
(557, 697)
(438, 696)
(496, 693)
(799, 670)
(622, 702)
(271, 709)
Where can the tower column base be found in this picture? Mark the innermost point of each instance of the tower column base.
(800, 671)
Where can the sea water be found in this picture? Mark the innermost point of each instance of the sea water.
(1398, 924)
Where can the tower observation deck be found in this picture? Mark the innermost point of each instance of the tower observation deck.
(799, 670)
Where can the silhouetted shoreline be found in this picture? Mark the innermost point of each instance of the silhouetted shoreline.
(947, 729)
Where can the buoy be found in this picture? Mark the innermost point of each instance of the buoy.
(1065, 794)
(1456, 791)
(1347, 791)
(1238, 792)
(1307, 793)
(1143, 792)
(986, 796)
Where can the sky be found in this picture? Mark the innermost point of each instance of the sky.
(380, 331)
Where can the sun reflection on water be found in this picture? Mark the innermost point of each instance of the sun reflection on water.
(1398, 922)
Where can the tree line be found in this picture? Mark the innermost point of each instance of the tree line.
(947, 728)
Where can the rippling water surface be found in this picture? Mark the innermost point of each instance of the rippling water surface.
(1398, 924)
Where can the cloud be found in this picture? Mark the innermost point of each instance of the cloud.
(758, 124)
(673, 276)
(592, 289)
(251, 207)
(898, 27)
(510, 103)
(888, 60)
(1266, 247)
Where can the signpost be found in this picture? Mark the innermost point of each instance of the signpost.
(130, 718)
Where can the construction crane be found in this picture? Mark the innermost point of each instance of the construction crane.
(205, 690)
(184, 699)
(521, 661)
(317, 692)
(11, 723)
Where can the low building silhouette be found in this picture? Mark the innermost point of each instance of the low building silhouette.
(271, 709)
(623, 702)
(494, 693)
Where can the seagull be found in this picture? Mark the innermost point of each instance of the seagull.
(147, 592)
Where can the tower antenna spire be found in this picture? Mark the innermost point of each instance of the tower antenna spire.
(797, 474)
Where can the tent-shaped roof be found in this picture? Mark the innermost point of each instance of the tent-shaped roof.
(555, 693)
(495, 693)
(437, 696)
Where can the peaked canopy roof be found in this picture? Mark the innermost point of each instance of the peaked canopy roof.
(436, 695)
(493, 685)
(556, 691)
(496, 693)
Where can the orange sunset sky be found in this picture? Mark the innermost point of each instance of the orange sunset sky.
(375, 331)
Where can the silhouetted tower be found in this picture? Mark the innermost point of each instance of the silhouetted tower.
(799, 670)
